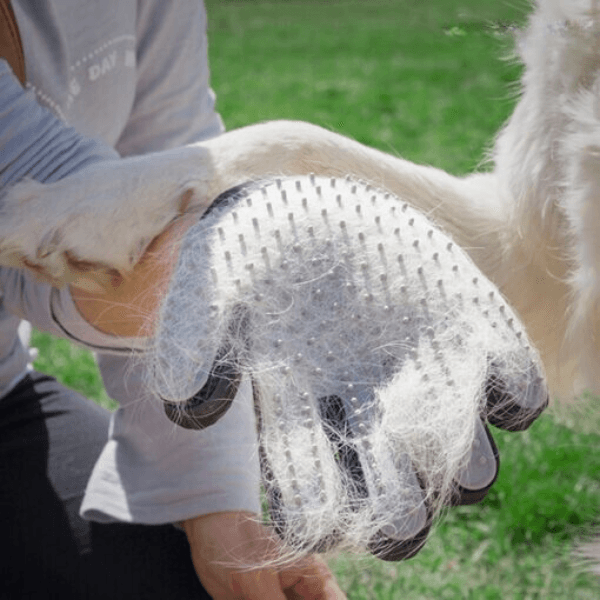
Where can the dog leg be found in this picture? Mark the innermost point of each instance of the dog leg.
(84, 228)
(548, 164)
(103, 217)
(99, 221)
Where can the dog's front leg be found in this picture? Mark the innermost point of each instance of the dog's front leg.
(467, 208)
(85, 228)
(100, 220)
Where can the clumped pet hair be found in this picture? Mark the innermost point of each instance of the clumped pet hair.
(373, 343)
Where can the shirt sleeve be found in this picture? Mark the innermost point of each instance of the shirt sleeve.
(34, 142)
(152, 471)
(174, 104)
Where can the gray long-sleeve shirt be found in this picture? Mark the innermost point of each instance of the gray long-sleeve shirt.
(108, 78)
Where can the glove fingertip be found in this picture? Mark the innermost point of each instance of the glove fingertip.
(480, 473)
(210, 403)
(515, 410)
(389, 549)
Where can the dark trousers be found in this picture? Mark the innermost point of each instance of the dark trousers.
(50, 438)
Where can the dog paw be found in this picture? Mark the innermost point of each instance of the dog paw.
(33, 222)
(88, 227)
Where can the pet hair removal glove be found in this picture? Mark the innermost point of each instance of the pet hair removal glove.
(377, 350)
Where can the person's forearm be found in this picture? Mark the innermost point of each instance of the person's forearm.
(235, 556)
(129, 306)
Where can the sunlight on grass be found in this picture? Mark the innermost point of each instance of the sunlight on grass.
(72, 366)
(425, 80)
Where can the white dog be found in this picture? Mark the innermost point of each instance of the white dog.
(532, 225)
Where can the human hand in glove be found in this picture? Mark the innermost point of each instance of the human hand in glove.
(378, 353)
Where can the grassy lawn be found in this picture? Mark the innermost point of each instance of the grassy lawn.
(428, 81)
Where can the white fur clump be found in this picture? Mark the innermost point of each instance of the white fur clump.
(369, 337)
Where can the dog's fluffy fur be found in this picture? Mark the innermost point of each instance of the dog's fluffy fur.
(547, 170)
(532, 225)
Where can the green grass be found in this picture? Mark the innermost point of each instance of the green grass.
(71, 365)
(428, 81)
(518, 542)
(421, 79)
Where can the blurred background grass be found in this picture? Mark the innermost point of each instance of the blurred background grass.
(432, 81)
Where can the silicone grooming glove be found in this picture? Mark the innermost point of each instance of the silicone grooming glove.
(378, 354)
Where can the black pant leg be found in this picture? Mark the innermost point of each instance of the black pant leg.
(50, 438)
